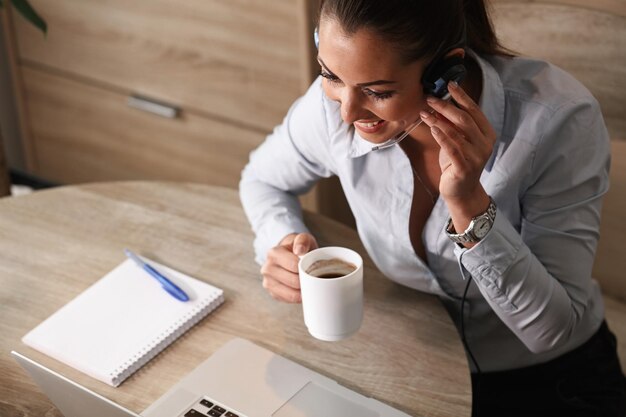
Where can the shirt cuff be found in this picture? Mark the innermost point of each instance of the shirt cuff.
(489, 260)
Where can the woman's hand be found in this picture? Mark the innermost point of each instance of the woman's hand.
(466, 139)
(280, 270)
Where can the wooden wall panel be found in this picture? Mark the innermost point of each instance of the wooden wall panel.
(587, 40)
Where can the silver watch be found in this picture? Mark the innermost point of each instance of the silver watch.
(477, 229)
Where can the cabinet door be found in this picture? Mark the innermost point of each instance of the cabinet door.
(85, 133)
(241, 60)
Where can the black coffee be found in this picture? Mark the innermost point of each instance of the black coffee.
(330, 268)
(330, 275)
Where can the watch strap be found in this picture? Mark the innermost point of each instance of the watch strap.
(468, 235)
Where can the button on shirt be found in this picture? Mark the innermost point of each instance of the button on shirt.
(532, 297)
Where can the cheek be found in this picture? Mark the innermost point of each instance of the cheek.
(398, 108)
(389, 109)
(393, 108)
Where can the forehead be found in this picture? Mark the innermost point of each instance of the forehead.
(361, 56)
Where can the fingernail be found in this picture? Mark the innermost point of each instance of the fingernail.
(299, 250)
(424, 114)
(431, 99)
(453, 84)
(435, 130)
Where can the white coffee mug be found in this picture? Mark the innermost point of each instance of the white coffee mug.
(332, 307)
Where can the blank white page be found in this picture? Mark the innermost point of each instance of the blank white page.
(122, 321)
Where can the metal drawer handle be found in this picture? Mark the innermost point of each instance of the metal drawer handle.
(153, 106)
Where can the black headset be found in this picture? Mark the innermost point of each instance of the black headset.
(440, 72)
(441, 69)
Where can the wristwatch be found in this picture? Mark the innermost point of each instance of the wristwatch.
(477, 229)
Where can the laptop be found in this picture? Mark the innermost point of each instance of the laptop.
(240, 379)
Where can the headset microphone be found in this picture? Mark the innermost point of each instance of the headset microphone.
(404, 133)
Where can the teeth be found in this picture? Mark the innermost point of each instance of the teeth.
(370, 124)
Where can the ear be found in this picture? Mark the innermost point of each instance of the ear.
(460, 52)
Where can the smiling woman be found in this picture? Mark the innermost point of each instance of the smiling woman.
(500, 186)
(378, 107)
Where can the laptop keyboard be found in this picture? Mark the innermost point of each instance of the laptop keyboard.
(204, 408)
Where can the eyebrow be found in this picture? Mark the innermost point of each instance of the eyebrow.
(377, 82)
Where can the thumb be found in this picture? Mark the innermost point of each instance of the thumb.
(303, 243)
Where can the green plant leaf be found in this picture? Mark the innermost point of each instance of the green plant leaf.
(30, 14)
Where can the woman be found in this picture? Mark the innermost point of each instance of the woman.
(492, 202)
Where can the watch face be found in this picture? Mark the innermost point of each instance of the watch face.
(481, 227)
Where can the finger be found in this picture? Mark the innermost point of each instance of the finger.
(283, 256)
(444, 125)
(457, 142)
(285, 277)
(458, 118)
(303, 243)
(470, 153)
(281, 292)
(288, 240)
(451, 147)
(480, 145)
(466, 103)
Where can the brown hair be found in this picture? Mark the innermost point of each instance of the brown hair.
(419, 28)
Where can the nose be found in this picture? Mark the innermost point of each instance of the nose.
(352, 108)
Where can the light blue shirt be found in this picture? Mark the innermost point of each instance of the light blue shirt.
(533, 297)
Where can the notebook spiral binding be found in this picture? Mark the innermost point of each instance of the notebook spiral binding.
(164, 340)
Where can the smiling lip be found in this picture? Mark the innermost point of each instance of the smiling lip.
(367, 128)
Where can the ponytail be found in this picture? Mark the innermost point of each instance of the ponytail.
(481, 36)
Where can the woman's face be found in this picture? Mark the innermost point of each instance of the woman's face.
(378, 93)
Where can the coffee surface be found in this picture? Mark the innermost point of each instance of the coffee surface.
(330, 268)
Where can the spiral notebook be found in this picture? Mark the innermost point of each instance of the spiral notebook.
(122, 321)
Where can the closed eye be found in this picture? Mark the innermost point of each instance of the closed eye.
(376, 95)
(330, 77)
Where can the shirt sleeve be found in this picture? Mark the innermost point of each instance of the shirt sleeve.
(288, 163)
(538, 279)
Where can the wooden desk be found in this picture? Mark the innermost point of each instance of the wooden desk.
(56, 243)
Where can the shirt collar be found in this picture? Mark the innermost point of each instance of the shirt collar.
(358, 145)
(491, 103)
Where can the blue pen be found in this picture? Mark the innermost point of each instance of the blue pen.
(167, 285)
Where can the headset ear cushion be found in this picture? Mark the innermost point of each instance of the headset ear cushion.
(316, 38)
(437, 76)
